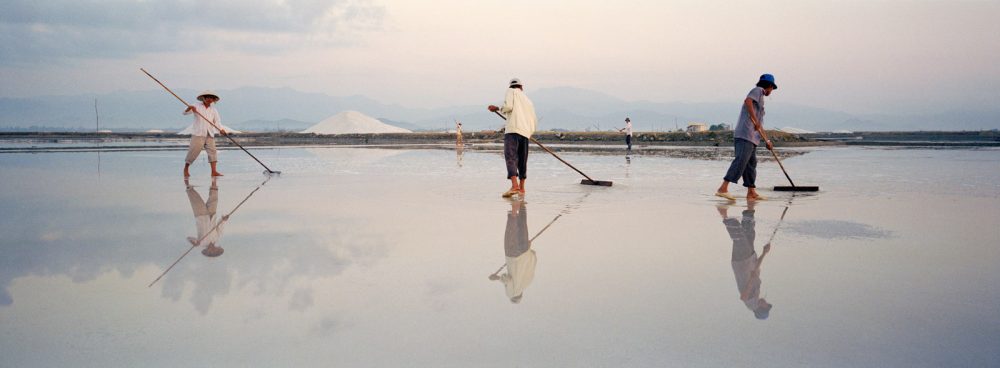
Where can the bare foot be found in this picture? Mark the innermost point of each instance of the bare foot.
(216, 173)
(725, 195)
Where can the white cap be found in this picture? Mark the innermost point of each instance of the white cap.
(515, 82)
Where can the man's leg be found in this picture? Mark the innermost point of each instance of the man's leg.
(510, 158)
(194, 149)
(750, 176)
(213, 155)
(522, 161)
(738, 166)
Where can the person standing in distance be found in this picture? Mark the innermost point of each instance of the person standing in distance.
(521, 123)
(203, 131)
(747, 136)
(628, 133)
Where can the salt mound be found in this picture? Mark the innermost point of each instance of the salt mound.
(349, 122)
(793, 130)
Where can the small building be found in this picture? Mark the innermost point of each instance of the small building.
(697, 127)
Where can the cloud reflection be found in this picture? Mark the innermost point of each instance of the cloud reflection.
(837, 229)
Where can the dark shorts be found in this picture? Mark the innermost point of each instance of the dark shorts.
(515, 153)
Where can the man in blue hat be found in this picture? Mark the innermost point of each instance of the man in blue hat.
(747, 136)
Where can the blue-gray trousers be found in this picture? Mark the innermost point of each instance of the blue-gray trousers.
(744, 165)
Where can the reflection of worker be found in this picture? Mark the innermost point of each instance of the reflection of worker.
(209, 229)
(746, 263)
(521, 258)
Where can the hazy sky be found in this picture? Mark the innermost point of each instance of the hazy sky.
(855, 56)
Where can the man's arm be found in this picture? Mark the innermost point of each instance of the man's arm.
(748, 102)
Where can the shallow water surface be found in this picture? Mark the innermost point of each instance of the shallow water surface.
(409, 257)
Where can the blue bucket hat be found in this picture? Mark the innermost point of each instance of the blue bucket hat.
(769, 79)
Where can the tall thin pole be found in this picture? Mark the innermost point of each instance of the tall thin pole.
(211, 122)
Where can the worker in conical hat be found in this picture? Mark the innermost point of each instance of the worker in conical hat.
(204, 131)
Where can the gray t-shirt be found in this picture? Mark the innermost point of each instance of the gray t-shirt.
(744, 127)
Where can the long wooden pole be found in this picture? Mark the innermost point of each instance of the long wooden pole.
(781, 166)
(550, 151)
(210, 122)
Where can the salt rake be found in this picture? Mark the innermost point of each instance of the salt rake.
(587, 181)
(793, 187)
(267, 171)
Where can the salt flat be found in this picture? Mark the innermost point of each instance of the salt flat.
(383, 257)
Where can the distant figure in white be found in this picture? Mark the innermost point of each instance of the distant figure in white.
(746, 263)
(458, 133)
(520, 257)
(209, 229)
(628, 133)
(521, 123)
(203, 131)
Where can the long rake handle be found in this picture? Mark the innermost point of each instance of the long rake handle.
(781, 166)
(778, 225)
(550, 151)
(209, 121)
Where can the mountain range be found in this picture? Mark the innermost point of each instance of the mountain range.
(264, 109)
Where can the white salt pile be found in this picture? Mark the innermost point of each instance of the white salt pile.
(349, 122)
(793, 130)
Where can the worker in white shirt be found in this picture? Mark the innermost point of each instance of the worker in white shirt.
(628, 133)
(521, 122)
(204, 131)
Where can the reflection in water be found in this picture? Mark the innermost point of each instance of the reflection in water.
(459, 151)
(209, 228)
(628, 165)
(837, 229)
(521, 259)
(746, 263)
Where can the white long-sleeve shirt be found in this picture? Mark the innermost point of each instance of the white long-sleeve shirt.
(520, 113)
(201, 127)
(209, 230)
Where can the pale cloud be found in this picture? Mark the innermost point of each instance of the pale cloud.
(856, 56)
(33, 32)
